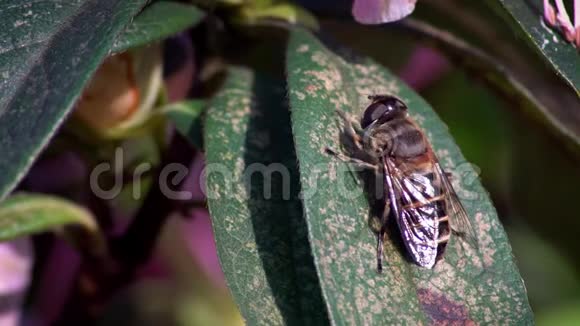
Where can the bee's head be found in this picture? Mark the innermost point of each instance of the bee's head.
(383, 109)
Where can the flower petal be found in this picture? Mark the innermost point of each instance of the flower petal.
(16, 259)
(381, 11)
(549, 13)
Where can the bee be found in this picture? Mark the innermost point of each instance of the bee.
(418, 193)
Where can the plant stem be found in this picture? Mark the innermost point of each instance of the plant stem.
(135, 246)
(99, 280)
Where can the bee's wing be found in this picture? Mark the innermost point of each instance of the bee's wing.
(458, 218)
(419, 229)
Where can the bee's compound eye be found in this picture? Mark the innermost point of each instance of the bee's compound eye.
(399, 104)
(374, 112)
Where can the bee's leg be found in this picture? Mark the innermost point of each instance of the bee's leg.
(355, 125)
(381, 236)
(354, 161)
(380, 249)
(384, 218)
(352, 128)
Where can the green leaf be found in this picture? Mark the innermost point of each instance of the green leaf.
(482, 286)
(48, 51)
(27, 214)
(252, 187)
(158, 21)
(527, 20)
(187, 117)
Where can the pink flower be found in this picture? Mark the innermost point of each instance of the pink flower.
(381, 11)
(558, 18)
(424, 67)
(16, 258)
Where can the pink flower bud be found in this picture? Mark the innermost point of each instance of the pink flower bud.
(381, 11)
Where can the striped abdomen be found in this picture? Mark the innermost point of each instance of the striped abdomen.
(423, 219)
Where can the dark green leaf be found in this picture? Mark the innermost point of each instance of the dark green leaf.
(26, 214)
(48, 50)
(252, 187)
(561, 55)
(482, 286)
(158, 21)
(187, 117)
